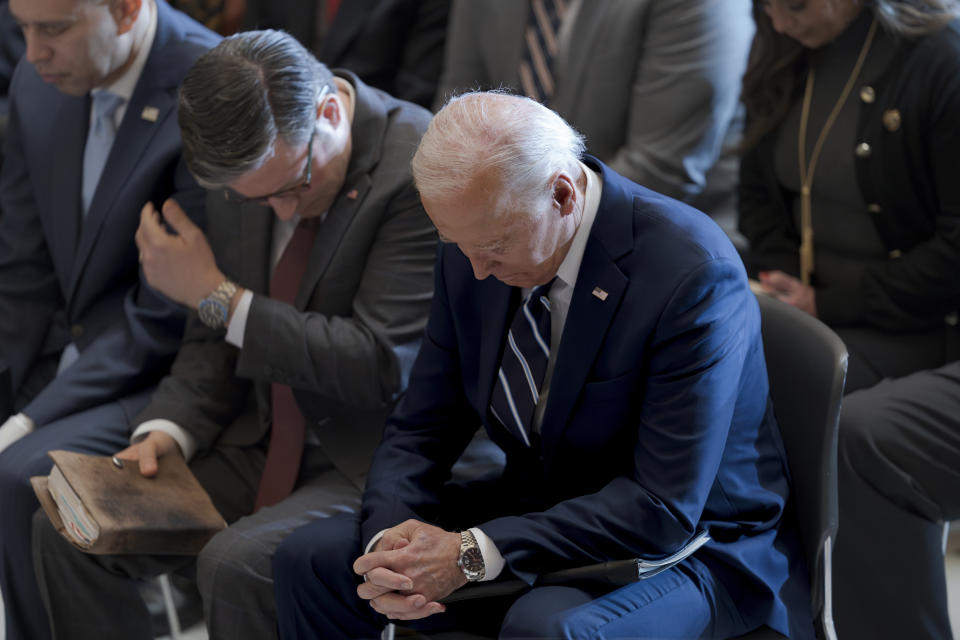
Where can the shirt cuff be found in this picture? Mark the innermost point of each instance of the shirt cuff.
(238, 321)
(493, 561)
(374, 540)
(188, 444)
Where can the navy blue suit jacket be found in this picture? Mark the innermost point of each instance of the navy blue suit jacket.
(64, 279)
(657, 425)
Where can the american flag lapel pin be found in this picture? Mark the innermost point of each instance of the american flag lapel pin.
(600, 294)
(150, 114)
(352, 194)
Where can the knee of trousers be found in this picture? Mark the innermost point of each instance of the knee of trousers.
(228, 560)
(16, 493)
(323, 550)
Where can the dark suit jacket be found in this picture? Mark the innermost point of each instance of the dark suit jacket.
(11, 48)
(657, 424)
(909, 183)
(347, 345)
(62, 280)
(394, 45)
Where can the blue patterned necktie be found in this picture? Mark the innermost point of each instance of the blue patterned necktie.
(523, 365)
(540, 47)
(99, 141)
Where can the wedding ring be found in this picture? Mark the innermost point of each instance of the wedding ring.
(117, 462)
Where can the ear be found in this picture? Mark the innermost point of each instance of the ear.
(125, 13)
(330, 109)
(564, 193)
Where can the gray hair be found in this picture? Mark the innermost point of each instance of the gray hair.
(522, 142)
(914, 18)
(242, 95)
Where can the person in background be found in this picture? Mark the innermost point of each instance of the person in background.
(393, 45)
(92, 136)
(606, 339)
(653, 85)
(11, 49)
(849, 197)
(851, 203)
(310, 297)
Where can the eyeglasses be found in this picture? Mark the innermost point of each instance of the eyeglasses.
(289, 192)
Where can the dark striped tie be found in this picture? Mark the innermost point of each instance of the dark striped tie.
(540, 47)
(523, 365)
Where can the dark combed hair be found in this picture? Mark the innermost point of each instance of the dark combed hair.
(241, 96)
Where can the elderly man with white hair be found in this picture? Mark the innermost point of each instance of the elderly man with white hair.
(606, 339)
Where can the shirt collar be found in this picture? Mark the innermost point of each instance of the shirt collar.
(570, 267)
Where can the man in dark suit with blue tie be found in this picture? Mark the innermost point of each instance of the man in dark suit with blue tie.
(635, 417)
(92, 137)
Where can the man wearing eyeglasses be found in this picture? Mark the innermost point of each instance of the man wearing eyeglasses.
(311, 291)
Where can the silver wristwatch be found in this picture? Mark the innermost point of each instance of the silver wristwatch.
(215, 308)
(471, 560)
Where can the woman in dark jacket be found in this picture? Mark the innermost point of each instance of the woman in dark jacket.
(873, 90)
(850, 198)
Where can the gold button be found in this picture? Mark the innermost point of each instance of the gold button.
(868, 95)
(76, 331)
(874, 208)
(892, 120)
(896, 253)
(863, 150)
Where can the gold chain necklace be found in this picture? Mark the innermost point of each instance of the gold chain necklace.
(807, 170)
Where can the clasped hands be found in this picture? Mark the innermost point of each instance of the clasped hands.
(409, 570)
(788, 289)
(180, 265)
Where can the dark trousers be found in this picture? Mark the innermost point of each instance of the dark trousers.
(316, 597)
(899, 473)
(101, 430)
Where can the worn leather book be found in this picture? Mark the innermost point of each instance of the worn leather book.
(104, 505)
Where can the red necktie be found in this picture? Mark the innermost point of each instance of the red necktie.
(286, 436)
(332, 6)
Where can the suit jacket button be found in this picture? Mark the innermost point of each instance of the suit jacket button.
(896, 253)
(76, 331)
(863, 150)
(868, 95)
(874, 208)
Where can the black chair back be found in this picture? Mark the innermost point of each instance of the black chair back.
(807, 366)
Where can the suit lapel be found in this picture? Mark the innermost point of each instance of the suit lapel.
(66, 167)
(590, 315)
(155, 91)
(330, 233)
(570, 65)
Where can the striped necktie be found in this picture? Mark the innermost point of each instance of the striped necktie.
(523, 365)
(540, 47)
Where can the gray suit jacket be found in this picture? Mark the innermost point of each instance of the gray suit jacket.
(653, 84)
(347, 345)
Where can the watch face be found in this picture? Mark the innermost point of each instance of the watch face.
(212, 313)
(471, 562)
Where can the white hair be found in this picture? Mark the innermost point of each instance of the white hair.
(524, 144)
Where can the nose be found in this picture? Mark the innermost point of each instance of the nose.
(284, 208)
(482, 266)
(37, 48)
